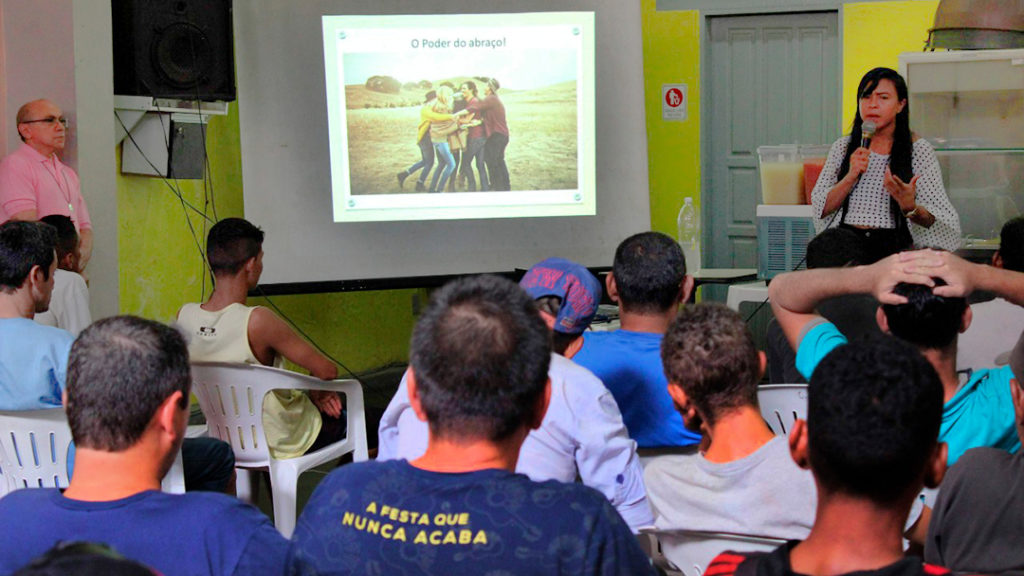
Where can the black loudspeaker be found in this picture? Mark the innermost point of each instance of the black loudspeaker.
(180, 49)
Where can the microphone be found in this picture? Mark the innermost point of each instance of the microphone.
(867, 130)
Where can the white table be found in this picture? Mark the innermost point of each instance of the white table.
(749, 292)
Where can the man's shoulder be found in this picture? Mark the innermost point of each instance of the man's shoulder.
(982, 465)
(24, 328)
(610, 346)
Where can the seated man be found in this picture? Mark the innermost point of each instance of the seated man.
(978, 411)
(870, 440)
(224, 329)
(996, 323)
(69, 306)
(745, 481)
(33, 358)
(582, 433)
(480, 358)
(853, 314)
(127, 405)
(976, 526)
(649, 282)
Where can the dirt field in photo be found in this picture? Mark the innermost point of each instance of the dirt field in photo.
(541, 154)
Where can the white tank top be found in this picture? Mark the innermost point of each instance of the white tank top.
(290, 419)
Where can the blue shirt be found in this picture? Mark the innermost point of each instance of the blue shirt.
(582, 435)
(979, 414)
(629, 364)
(393, 518)
(33, 364)
(194, 534)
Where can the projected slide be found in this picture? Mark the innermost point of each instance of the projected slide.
(460, 116)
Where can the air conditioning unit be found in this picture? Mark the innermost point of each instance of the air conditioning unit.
(783, 232)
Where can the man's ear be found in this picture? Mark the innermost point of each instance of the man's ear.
(997, 259)
(936, 468)
(966, 319)
(680, 399)
(611, 288)
(882, 320)
(685, 289)
(542, 406)
(170, 419)
(36, 275)
(548, 319)
(414, 395)
(763, 364)
(798, 444)
(1017, 395)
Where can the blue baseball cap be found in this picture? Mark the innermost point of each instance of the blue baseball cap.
(578, 289)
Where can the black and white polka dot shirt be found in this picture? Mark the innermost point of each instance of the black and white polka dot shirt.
(869, 200)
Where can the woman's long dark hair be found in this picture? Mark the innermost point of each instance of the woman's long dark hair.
(902, 144)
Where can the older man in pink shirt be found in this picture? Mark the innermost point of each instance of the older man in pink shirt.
(34, 182)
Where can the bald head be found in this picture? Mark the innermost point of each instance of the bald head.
(39, 126)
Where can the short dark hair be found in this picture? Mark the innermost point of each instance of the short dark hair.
(231, 243)
(471, 85)
(873, 416)
(120, 370)
(83, 559)
(1011, 244)
(22, 246)
(480, 355)
(649, 268)
(67, 235)
(709, 352)
(835, 248)
(925, 320)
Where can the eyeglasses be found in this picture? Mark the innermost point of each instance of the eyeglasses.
(48, 120)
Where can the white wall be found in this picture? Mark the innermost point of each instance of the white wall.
(61, 50)
(39, 63)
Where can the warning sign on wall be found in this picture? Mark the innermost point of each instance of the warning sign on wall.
(673, 101)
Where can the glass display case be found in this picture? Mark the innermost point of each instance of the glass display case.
(970, 106)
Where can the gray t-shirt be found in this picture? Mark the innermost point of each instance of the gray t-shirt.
(764, 494)
(976, 523)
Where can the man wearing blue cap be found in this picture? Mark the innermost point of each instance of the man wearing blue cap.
(582, 433)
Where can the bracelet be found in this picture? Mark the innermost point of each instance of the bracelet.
(911, 213)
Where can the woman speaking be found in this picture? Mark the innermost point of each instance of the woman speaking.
(889, 188)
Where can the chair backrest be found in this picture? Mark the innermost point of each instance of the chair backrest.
(782, 404)
(692, 550)
(34, 447)
(231, 397)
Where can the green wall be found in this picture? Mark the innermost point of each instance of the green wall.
(161, 267)
(671, 43)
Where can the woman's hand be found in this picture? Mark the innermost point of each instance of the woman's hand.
(905, 193)
(858, 162)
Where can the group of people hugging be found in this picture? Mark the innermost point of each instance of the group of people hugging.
(458, 129)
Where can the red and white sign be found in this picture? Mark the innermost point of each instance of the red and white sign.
(673, 101)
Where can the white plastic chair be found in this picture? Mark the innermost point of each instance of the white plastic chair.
(34, 449)
(231, 397)
(782, 404)
(689, 552)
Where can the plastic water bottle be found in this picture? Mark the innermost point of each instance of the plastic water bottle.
(688, 226)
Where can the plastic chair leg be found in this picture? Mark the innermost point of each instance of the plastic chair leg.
(247, 485)
(284, 484)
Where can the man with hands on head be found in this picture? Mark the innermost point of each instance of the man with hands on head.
(922, 295)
